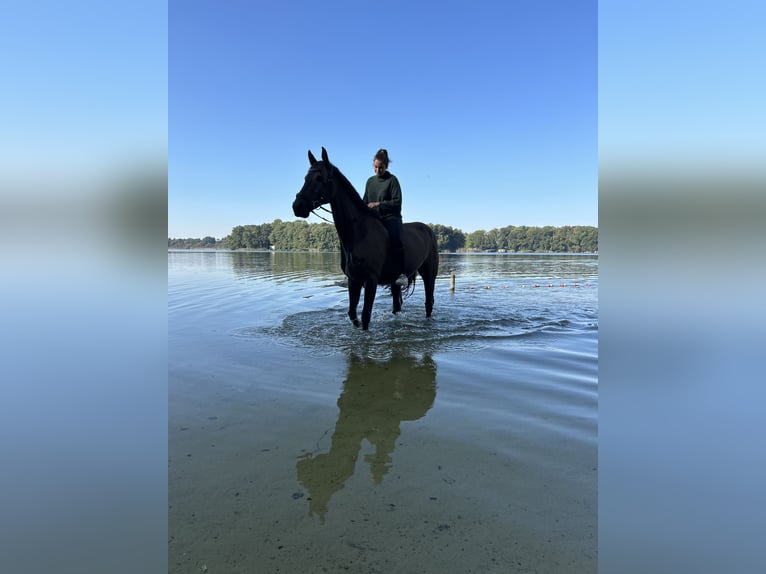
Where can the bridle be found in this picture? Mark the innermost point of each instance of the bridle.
(319, 203)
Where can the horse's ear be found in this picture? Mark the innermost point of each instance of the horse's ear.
(324, 155)
(312, 159)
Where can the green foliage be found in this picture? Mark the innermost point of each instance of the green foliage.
(523, 239)
(448, 238)
(478, 241)
(195, 243)
(303, 236)
(249, 237)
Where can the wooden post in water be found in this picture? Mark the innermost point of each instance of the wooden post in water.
(452, 282)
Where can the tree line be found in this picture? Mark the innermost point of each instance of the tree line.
(302, 235)
(195, 243)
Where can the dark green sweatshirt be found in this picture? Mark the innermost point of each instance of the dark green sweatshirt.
(386, 190)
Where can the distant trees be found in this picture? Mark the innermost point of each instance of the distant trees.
(448, 238)
(478, 241)
(301, 235)
(193, 243)
(249, 237)
(523, 239)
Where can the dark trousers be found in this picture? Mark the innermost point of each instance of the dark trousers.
(394, 227)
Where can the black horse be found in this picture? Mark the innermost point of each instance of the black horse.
(366, 259)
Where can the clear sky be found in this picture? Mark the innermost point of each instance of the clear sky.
(488, 108)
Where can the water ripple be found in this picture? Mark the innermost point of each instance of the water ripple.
(324, 332)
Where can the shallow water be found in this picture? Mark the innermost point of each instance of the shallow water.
(462, 443)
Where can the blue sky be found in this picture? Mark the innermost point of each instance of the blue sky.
(488, 109)
(84, 86)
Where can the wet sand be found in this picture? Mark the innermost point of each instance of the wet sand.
(277, 480)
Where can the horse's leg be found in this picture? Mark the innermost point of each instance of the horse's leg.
(429, 283)
(396, 295)
(370, 287)
(354, 292)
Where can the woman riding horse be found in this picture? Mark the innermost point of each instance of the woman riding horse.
(367, 259)
(384, 195)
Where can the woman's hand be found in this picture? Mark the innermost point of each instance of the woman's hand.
(373, 204)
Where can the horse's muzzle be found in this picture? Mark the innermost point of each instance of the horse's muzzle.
(301, 207)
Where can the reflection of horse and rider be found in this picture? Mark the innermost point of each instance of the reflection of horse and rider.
(376, 398)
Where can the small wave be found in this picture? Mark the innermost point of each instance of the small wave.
(325, 332)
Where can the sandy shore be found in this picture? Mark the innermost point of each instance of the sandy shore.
(356, 476)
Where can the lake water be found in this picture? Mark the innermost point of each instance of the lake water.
(462, 443)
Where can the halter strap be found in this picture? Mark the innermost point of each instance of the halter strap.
(323, 208)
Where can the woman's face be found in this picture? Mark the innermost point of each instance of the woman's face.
(378, 166)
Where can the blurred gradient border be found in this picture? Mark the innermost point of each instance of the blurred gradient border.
(682, 214)
(682, 207)
(83, 221)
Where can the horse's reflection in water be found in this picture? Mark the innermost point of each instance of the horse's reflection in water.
(376, 398)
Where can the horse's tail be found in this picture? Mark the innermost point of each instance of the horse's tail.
(405, 292)
(434, 245)
(410, 288)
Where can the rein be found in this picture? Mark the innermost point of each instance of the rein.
(323, 208)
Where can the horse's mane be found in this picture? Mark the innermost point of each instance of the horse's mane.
(355, 197)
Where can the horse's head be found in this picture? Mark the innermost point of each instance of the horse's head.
(317, 186)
